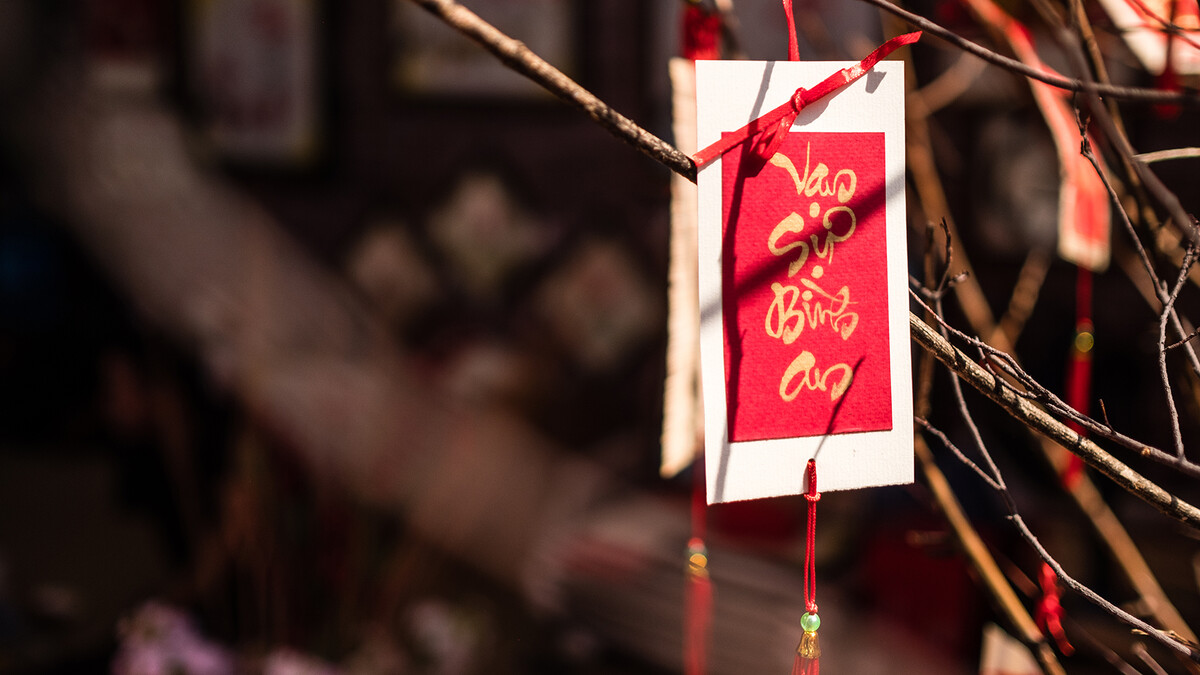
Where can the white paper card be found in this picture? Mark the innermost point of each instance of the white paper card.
(804, 320)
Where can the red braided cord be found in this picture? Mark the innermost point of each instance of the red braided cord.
(810, 568)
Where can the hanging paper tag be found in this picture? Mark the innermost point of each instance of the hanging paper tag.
(803, 284)
(1143, 24)
(1004, 655)
(1083, 207)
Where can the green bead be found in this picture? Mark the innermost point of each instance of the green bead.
(810, 622)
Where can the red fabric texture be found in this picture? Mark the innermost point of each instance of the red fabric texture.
(804, 261)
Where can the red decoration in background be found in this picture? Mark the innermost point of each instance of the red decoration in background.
(1169, 79)
(804, 297)
(1079, 387)
(701, 34)
(1079, 370)
(1083, 206)
(1050, 611)
(698, 595)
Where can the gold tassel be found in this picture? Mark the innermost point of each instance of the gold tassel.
(809, 647)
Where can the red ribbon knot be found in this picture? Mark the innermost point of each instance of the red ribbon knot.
(798, 100)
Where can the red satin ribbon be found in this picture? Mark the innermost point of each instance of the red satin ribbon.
(774, 125)
(793, 43)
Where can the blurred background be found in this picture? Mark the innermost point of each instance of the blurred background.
(327, 344)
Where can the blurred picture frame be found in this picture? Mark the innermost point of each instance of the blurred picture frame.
(430, 59)
(254, 77)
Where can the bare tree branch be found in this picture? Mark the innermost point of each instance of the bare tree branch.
(1033, 391)
(1040, 421)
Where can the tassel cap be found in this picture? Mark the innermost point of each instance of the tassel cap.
(809, 648)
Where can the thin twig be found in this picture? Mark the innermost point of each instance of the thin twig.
(1139, 649)
(969, 420)
(1071, 583)
(1162, 155)
(951, 84)
(923, 423)
(1014, 515)
(1024, 295)
(1070, 84)
(1168, 306)
(976, 552)
(520, 58)
(1129, 228)
(1190, 336)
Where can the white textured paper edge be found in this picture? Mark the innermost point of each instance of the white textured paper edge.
(682, 410)
(730, 94)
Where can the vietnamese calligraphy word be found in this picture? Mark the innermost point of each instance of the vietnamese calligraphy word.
(783, 311)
